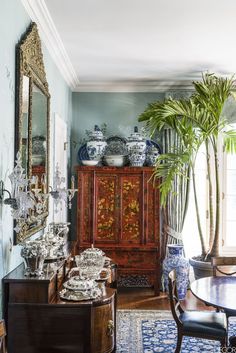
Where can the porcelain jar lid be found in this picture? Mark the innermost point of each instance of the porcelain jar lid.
(135, 136)
(96, 134)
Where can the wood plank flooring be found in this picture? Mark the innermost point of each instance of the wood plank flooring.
(143, 298)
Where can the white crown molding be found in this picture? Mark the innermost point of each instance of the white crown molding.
(38, 12)
(134, 86)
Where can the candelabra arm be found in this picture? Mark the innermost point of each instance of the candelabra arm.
(2, 190)
(8, 201)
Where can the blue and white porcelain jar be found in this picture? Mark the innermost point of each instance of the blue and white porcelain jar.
(136, 141)
(136, 157)
(174, 260)
(152, 154)
(136, 145)
(96, 144)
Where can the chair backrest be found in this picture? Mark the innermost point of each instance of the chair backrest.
(176, 308)
(2, 337)
(224, 265)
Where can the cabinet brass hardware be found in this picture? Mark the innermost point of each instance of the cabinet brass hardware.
(110, 328)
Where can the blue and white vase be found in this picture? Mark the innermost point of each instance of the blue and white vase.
(174, 260)
(136, 157)
(96, 144)
(136, 141)
(152, 154)
(136, 145)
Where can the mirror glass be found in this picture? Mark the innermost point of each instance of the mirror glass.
(32, 129)
(25, 123)
(39, 132)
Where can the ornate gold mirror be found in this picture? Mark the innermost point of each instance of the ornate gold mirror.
(32, 126)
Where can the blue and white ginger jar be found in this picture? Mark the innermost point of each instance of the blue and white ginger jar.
(136, 145)
(136, 157)
(96, 144)
(175, 260)
(152, 154)
(136, 141)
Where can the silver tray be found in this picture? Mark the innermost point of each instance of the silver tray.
(67, 294)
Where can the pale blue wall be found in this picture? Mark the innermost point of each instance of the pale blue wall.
(119, 111)
(13, 23)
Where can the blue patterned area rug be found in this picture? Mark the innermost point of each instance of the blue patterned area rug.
(152, 331)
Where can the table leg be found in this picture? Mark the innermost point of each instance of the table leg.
(232, 341)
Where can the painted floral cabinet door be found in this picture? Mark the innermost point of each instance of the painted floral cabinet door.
(106, 208)
(131, 210)
(117, 205)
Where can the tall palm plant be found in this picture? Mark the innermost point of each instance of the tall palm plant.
(197, 120)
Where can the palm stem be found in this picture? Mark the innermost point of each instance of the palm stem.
(215, 246)
(203, 245)
(210, 197)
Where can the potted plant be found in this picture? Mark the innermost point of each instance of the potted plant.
(197, 120)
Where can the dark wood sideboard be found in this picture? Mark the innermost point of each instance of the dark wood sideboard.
(38, 321)
(118, 211)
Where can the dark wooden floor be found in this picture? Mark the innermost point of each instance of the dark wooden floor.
(143, 298)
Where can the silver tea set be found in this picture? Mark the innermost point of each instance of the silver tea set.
(51, 246)
(90, 278)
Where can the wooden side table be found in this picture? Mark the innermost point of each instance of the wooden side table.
(39, 321)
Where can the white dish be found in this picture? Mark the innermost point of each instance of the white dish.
(89, 162)
(115, 160)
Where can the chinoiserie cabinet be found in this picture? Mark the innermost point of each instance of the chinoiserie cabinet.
(118, 211)
(38, 321)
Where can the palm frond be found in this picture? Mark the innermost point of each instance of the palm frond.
(196, 120)
(168, 167)
(230, 141)
(212, 93)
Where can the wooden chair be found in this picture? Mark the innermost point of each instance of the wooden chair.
(2, 337)
(202, 324)
(224, 266)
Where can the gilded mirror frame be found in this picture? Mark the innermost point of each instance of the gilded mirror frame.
(29, 63)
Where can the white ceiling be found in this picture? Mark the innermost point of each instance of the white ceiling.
(140, 43)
